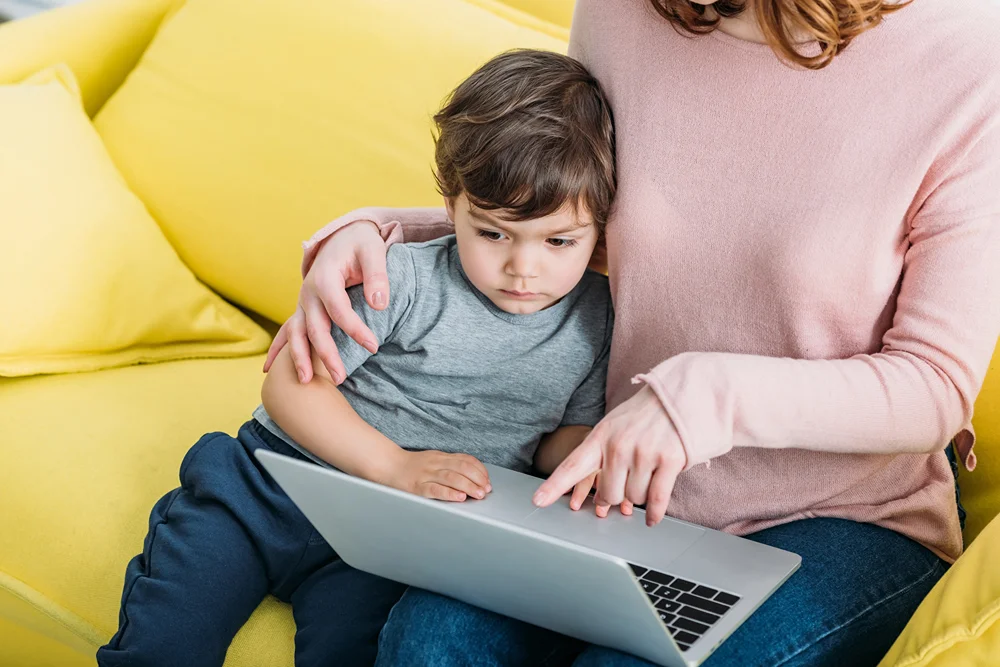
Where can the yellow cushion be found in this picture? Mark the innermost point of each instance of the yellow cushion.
(981, 487)
(93, 283)
(558, 12)
(85, 457)
(245, 126)
(959, 621)
(100, 40)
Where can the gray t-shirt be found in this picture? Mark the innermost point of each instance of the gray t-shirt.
(456, 373)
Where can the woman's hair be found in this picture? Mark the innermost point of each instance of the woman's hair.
(831, 23)
(529, 132)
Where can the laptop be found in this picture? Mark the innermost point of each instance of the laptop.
(670, 594)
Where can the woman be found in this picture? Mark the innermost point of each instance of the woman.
(803, 257)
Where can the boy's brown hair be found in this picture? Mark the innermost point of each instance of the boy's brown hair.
(529, 132)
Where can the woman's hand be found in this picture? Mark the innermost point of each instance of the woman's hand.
(354, 255)
(582, 490)
(637, 452)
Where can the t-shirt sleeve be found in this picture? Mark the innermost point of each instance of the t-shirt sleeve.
(383, 323)
(586, 405)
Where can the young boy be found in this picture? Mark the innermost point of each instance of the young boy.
(494, 348)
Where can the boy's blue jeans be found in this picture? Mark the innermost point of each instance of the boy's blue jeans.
(857, 587)
(217, 546)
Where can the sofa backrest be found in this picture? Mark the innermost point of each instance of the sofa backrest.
(245, 127)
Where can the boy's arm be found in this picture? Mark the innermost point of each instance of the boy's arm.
(584, 410)
(318, 417)
(556, 446)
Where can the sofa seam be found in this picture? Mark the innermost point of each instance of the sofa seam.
(4, 585)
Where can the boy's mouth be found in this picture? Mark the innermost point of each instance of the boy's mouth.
(519, 295)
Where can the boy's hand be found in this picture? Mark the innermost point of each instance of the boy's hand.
(441, 476)
(582, 490)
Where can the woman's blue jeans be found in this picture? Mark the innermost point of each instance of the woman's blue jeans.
(857, 587)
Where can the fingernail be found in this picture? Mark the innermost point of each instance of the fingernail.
(538, 498)
(338, 378)
(480, 494)
(371, 346)
(379, 299)
(489, 488)
(302, 376)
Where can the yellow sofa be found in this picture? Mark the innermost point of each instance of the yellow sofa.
(243, 126)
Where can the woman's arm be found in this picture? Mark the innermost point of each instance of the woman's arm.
(350, 251)
(395, 225)
(912, 396)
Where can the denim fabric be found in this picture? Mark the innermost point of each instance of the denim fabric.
(221, 542)
(857, 587)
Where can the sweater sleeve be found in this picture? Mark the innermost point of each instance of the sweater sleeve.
(395, 225)
(913, 395)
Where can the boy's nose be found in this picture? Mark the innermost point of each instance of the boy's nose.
(523, 264)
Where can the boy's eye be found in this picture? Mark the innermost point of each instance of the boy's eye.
(562, 243)
(492, 236)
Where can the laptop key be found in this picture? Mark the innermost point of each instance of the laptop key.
(667, 618)
(683, 585)
(683, 637)
(691, 626)
(727, 599)
(653, 598)
(669, 593)
(701, 603)
(698, 615)
(648, 586)
(705, 592)
(683, 646)
(639, 571)
(667, 605)
(658, 577)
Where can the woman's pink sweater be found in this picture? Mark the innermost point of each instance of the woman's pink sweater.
(805, 264)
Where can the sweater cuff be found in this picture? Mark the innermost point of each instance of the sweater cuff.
(392, 232)
(689, 400)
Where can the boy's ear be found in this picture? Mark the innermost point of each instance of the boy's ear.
(449, 206)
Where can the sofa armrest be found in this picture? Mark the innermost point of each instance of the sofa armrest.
(100, 40)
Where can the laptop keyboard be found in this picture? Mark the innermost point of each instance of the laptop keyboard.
(687, 608)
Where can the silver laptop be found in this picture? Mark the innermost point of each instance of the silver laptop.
(670, 594)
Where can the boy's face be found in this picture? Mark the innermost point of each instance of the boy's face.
(523, 266)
